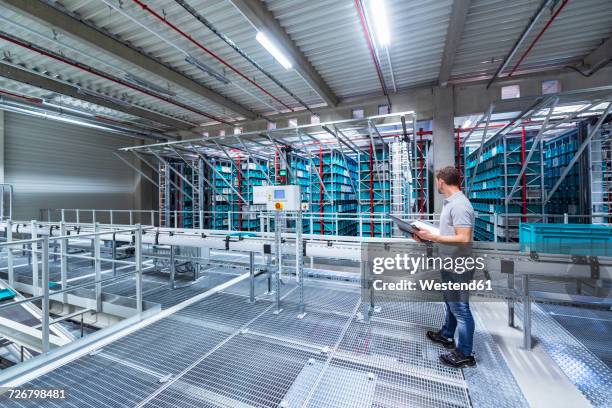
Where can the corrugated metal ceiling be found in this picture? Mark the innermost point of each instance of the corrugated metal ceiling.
(329, 34)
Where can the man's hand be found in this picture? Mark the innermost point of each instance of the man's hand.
(426, 235)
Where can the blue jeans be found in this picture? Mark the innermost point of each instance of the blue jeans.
(459, 314)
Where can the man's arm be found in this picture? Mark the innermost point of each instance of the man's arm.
(462, 235)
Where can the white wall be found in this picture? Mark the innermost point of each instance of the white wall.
(57, 165)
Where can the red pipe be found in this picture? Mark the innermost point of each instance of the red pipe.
(276, 167)
(321, 189)
(459, 154)
(524, 178)
(37, 101)
(371, 191)
(107, 76)
(421, 165)
(239, 199)
(537, 38)
(209, 52)
(371, 47)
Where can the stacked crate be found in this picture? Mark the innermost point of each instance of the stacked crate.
(223, 199)
(253, 174)
(339, 175)
(559, 152)
(420, 175)
(179, 202)
(500, 160)
(375, 191)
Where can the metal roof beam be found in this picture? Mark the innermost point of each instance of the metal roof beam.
(41, 81)
(263, 20)
(453, 38)
(598, 58)
(50, 15)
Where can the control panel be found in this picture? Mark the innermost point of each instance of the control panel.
(278, 198)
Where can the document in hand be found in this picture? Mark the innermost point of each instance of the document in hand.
(412, 226)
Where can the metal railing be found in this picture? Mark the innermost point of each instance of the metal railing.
(44, 283)
(314, 222)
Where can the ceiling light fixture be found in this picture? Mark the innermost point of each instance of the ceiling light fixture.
(274, 50)
(381, 24)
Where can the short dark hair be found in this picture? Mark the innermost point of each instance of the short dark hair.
(450, 175)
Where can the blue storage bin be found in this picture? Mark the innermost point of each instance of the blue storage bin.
(574, 239)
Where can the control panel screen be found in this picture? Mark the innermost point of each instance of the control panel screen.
(279, 194)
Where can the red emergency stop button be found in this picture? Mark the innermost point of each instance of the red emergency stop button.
(278, 206)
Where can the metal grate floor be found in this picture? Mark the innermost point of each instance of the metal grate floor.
(584, 369)
(226, 352)
(593, 328)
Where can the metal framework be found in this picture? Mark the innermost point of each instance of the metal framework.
(385, 148)
(519, 139)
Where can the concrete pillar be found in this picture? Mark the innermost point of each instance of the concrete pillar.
(443, 145)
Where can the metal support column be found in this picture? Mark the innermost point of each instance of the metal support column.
(114, 254)
(278, 219)
(45, 301)
(34, 257)
(97, 268)
(299, 263)
(138, 258)
(511, 300)
(63, 260)
(9, 255)
(172, 267)
(251, 277)
(526, 313)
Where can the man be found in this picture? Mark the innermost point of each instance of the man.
(456, 229)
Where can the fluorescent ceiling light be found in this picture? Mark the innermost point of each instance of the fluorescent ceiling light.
(381, 24)
(272, 49)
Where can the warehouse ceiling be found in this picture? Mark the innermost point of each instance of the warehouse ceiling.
(184, 63)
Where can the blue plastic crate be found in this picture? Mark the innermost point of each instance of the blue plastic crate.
(575, 239)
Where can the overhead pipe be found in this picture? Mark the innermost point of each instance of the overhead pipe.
(209, 52)
(239, 50)
(537, 38)
(364, 25)
(50, 54)
(520, 40)
(89, 120)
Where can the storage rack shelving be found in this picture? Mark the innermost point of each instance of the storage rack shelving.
(500, 160)
(180, 204)
(420, 174)
(600, 154)
(558, 152)
(375, 189)
(253, 173)
(322, 158)
(513, 188)
(339, 174)
(224, 201)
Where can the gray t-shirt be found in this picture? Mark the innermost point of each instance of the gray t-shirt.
(456, 212)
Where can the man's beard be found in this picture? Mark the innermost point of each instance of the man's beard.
(440, 191)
